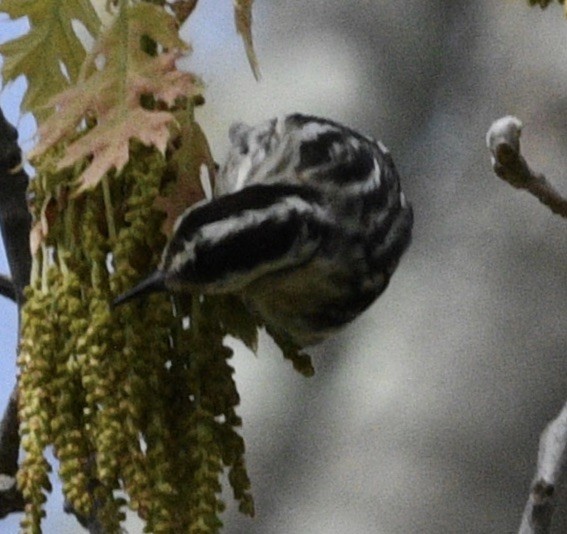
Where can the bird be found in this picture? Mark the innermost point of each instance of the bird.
(307, 224)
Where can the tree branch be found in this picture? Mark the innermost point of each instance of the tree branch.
(15, 223)
(15, 219)
(7, 288)
(550, 466)
(11, 499)
(503, 140)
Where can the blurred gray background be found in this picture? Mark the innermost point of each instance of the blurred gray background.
(424, 415)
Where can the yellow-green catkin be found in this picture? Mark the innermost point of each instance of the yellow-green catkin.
(36, 408)
(139, 403)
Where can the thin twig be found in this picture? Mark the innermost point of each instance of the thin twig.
(503, 140)
(552, 460)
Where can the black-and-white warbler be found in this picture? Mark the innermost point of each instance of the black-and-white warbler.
(307, 224)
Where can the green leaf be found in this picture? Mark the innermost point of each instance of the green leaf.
(235, 318)
(114, 79)
(300, 360)
(50, 54)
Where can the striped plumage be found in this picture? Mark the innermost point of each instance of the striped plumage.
(308, 224)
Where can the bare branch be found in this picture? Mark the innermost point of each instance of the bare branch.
(7, 288)
(15, 220)
(550, 466)
(503, 140)
(15, 224)
(11, 499)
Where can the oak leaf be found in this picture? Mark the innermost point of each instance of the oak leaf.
(191, 156)
(50, 54)
(117, 77)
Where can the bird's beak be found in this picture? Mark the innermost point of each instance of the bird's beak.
(152, 284)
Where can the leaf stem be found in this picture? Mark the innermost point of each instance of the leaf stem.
(108, 209)
(44, 267)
